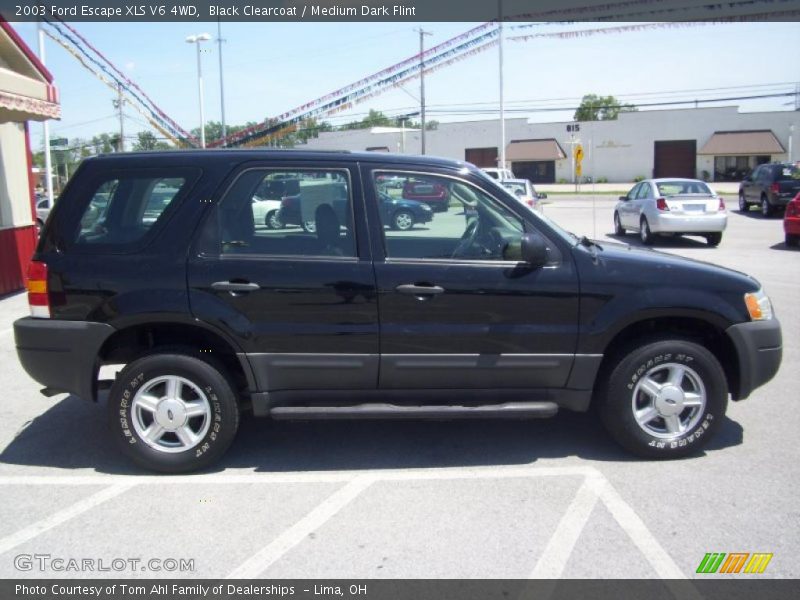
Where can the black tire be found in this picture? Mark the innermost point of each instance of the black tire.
(402, 220)
(273, 220)
(792, 240)
(618, 394)
(618, 228)
(743, 205)
(208, 376)
(645, 234)
(766, 208)
(713, 239)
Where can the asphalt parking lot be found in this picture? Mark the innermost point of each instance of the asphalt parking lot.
(551, 498)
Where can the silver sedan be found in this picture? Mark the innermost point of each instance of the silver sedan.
(671, 207)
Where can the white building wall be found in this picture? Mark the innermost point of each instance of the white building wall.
(15, 195)
(617, 150)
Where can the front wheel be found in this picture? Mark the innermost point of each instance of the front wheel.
(645, 234)
(403, 220)
(273, 220)
(172, 412)
(743, 205)
(714, 239)
(618, 228)
(664, 399)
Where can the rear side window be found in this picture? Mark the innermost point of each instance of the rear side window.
(122, 210)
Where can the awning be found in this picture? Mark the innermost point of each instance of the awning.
(762, 142)
(16, 108)
(533, 150)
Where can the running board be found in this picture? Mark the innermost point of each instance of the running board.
(508, 410)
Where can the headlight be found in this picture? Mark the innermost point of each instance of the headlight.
(758, 305)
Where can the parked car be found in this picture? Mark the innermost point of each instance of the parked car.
(267, 212)
(791, 221)
(671, 207)
(42, 212)
(501, 315)
(524, 191)
(770, 187)
(499, 174)
(434, 194)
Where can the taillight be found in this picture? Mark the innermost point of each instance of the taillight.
(531, 203)
(38, 297)
(661, 204)
(721, 204)
(793, 209)
(775, 188)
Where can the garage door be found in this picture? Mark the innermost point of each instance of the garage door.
(481, 157)
(676, 158)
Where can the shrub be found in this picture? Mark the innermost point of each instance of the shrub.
(638, 178)
(602, 180)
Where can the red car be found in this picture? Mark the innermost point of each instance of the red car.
(431, 193)
(791, 221)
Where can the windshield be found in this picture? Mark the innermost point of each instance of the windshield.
(515, 188)
(501, 191)
(675, 188)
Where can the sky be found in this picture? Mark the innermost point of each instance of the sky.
(270, 68)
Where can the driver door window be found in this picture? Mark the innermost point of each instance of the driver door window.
(431, 217)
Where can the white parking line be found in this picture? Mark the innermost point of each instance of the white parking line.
(62, 516)
(558, 550)
(261, 560)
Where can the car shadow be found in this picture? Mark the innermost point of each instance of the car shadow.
(73, 434)
(784, 247)
(662, 242)
(754, 213)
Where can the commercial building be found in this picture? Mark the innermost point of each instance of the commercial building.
(27, 94)
(717, 144)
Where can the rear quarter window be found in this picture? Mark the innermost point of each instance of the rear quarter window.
(124, 210)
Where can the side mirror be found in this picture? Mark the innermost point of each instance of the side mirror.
(623, 198)
(533, 249)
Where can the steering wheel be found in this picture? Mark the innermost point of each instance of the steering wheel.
(467, 239)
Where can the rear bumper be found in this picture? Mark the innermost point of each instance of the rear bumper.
(791, 226)
(61, 355)
(666, 223)
(759, 348)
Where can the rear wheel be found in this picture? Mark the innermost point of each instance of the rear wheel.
(664, 399)
(766, 207)
(645, 234)
(173, 412)
(618, 228)
(714, 239)
(792, 240)
(743, 205)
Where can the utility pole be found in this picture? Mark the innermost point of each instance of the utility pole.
(422, 34)
(118, 104)
(502, 164)
(221, 80)
(48, 163)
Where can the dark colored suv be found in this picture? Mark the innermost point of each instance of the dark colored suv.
(770, 187)
(488, 311)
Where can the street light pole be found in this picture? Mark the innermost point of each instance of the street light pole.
(422, 34)
(48, 163)
(197, 40)
(502, 164)
(221, 79)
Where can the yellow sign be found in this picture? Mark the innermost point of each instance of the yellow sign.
(578, 169)
(578, 153)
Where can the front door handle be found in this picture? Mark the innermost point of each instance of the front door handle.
(235, 286)
(420, 291)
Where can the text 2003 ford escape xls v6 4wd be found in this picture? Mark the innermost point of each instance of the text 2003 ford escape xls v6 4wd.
(489, 310)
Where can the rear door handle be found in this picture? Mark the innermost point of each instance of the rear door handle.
(411, 289)
(235, 286)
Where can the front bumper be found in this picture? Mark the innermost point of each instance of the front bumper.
(700, 223)
(61, 355)
(759, 349)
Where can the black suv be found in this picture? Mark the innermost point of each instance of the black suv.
(489, 311)
(770, 187)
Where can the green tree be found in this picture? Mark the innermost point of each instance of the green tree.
(600, 108)
(146, 140)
